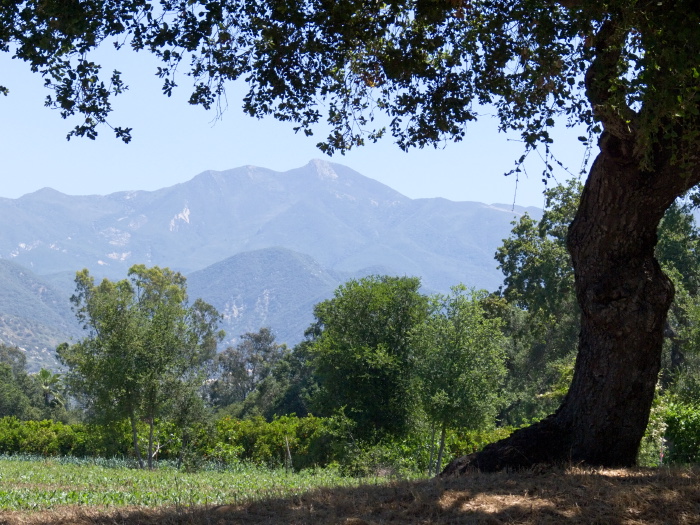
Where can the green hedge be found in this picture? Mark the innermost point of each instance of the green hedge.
(682, 433)
(52, 438)
(310, 441)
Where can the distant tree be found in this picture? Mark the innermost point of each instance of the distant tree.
(539, 283)
(19, 395)
(14, 357)
(145, 345)
(242, 368)
(50, 384)
(459, 354)
(543, 321)
(362, 352)
(294, 383)
(290, 388)
(678, 251)
(14, 400)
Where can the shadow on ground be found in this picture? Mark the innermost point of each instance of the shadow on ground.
(548, 496)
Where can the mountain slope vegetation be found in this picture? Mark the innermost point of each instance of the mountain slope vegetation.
(260, 245)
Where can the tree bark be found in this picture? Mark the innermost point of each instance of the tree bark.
(438, 466)
(150, 443)
(624, 298)
(135, 440)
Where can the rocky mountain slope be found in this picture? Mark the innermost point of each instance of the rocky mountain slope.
(262, 246)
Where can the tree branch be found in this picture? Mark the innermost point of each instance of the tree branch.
(609, 105)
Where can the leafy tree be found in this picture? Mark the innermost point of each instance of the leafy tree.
(362, 353)
(50, 384)
(294, 383)
(14, 400)
(460, 363)
(537, 269)
(288, 389)
(627, 70)
(678, 252)
(145, 346)
(243, 367)
(19, 393)
(543, 323)
(14, 357)
(539, 281)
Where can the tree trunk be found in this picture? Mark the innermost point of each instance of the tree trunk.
(438, 465)
(432, 451)
(135, 439)
(150, 443)
(624, 299)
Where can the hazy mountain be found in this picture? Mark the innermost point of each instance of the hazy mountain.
(33, 315)
(344, 220)
(325, 222)
(273, 287)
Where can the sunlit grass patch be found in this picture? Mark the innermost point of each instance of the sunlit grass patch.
(39, 492)
(38, 485)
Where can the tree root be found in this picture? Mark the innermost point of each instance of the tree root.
(545, 442)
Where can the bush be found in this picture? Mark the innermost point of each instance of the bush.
(461, 443)
(10, 435)
(310, 441)
(51, 438)
(651, 449)
(385, 459)
(682, 433)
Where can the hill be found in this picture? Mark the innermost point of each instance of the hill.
(274, 287)
(262, 246)
(33, 315)
(342, 219)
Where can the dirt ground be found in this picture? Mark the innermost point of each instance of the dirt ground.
(538, 496)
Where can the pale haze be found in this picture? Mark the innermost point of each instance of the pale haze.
(173, 142)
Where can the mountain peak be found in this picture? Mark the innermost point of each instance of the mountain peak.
(323, 168)
(44, 193)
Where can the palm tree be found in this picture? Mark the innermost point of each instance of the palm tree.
(50, 384)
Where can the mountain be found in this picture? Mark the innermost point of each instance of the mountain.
(342, 219)
(308, 228)
(33, 315)
(273, 287)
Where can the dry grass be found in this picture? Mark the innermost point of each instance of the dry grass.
(545, 496)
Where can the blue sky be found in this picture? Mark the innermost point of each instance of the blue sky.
(173, 142)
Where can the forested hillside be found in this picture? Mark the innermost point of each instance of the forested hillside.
(33, 314)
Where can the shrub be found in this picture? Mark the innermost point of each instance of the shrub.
(310, 441)
(682, 433)
(461, 443)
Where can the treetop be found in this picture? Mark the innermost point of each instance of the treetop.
(631, 68)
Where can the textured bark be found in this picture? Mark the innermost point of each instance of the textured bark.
(624, 299)
(135, 440)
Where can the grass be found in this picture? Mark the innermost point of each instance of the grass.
(40, 485)
(546, 496)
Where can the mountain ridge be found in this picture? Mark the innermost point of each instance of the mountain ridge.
(345, 222)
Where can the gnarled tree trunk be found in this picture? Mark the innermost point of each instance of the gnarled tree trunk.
(624, 299)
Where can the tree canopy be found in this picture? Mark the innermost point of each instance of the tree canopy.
(362, 352)
(145, 346)
(429, 65)
(627, 70)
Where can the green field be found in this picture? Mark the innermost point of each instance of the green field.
(31, 484)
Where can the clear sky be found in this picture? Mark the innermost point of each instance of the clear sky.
(173, 142)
